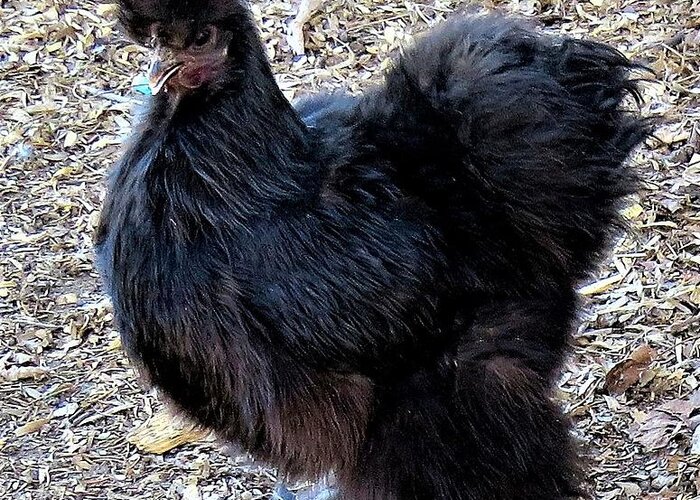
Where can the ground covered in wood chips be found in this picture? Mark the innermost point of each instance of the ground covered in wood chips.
(74, 422)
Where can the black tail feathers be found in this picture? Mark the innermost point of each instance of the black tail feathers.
(526, 135)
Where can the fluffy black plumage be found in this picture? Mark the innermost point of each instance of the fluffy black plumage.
(380, 286)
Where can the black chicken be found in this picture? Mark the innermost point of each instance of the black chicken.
(381, 287)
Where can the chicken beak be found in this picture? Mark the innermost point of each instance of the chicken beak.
(162, 68)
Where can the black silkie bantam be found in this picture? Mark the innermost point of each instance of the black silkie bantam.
(379, 286)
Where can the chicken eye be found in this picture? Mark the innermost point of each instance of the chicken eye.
(202, 38)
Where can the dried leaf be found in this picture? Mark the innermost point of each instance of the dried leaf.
(655, 432)
(70, 139)
(695, 442)
(66, 410)
(15, 373)
(114, 344)
(191, 492)
(680, 408)
(628, 372)
(633, 211)
(68, 298)
(661, 425)
(306, 9)
(632, 490)
(600, 286)
(31, 427)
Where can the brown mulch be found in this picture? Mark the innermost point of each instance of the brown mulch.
(74, 422)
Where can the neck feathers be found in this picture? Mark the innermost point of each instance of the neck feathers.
(236, 156)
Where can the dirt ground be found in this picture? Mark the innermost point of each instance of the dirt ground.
(74, 423)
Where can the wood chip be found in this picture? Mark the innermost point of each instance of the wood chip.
(164, 432)
(31, 427)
